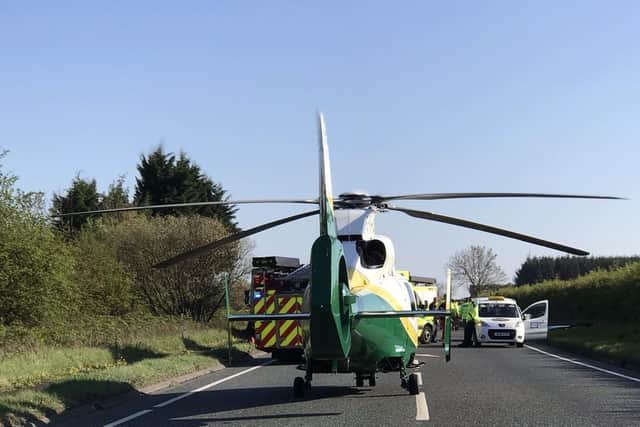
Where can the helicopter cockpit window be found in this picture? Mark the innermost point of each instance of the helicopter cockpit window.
(372, 253)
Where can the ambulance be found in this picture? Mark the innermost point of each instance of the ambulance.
(425, 292)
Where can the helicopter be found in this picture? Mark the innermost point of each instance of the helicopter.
(358, 315)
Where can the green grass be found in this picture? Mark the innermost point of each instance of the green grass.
(36, 384)
(616, 343)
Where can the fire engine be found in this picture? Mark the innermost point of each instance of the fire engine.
(277, 287)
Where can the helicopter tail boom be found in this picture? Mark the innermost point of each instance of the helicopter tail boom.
(330, 333)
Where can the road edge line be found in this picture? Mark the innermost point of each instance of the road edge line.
(184, 395)
(577, 362)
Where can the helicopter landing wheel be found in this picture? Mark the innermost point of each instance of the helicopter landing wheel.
(299, 387)
(413, 384)
(359, 380)
(372, 379)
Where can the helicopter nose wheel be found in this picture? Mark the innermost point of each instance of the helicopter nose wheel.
(371, 377)
(409, 382)
(413, 386)
(300, 386)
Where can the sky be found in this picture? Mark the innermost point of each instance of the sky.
(418, 97)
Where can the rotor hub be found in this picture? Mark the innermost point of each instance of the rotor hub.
(355, 200)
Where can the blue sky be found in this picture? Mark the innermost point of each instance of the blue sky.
(418, 97)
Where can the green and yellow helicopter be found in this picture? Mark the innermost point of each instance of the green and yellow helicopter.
(359, 314)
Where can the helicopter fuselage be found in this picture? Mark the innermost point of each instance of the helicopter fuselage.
(376, 343)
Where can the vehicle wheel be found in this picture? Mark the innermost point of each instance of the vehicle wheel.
(372, 380)
(359, 381)
(413, 384)
(519, 344)
(298, 387)
(427, 334)
(433, 333)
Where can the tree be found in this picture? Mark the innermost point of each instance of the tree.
(104, 284)
(35, 265)
(475, 268)
(540, 269)
(166, 180)
(192, 288)
(117, 196)
(81, 196)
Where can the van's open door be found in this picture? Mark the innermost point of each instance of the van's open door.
(536, 321)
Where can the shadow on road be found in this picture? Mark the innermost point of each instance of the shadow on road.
(246, 402)
(29, 411)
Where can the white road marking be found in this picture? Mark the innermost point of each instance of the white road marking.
(422, 410)
(576, 362)
(419, 378)
(129, 418)
(187, 394)
(425, 355)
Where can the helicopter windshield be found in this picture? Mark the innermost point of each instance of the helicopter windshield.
(372, 253)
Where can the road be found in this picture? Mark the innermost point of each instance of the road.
(491, 385)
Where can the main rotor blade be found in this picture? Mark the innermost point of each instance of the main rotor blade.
(488, 229)
(232, 238)
(440, 196)
(191, 204)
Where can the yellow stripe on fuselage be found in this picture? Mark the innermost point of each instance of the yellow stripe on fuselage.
(359, 283)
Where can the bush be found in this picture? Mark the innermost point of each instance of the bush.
(104, 284)
(193, 287)
(598, 297)
(35, 265)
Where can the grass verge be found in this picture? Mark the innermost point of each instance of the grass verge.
(38, 384)
(618, 344)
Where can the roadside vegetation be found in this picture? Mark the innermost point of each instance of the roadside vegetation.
(37, 384)
(84, 315)
(604, 306)
(616, 343)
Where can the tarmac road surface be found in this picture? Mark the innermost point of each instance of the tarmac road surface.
(487, 386)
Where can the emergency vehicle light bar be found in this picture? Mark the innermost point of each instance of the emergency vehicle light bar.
(276, 262)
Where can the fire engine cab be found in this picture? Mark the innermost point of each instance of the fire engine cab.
(277, 287)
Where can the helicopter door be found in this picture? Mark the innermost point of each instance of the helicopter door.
(536, 321)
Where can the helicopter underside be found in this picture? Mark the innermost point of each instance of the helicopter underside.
(377, 344)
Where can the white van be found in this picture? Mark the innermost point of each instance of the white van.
(499, 320)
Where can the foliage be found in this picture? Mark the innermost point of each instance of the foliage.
(67, 377)
(600, 296)
(34, 264)
(539, 269)
(475, 268)
(192, 288)
(83, 196)
(117, 196)
(614, 342)
(104, 285)
(166, 180)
